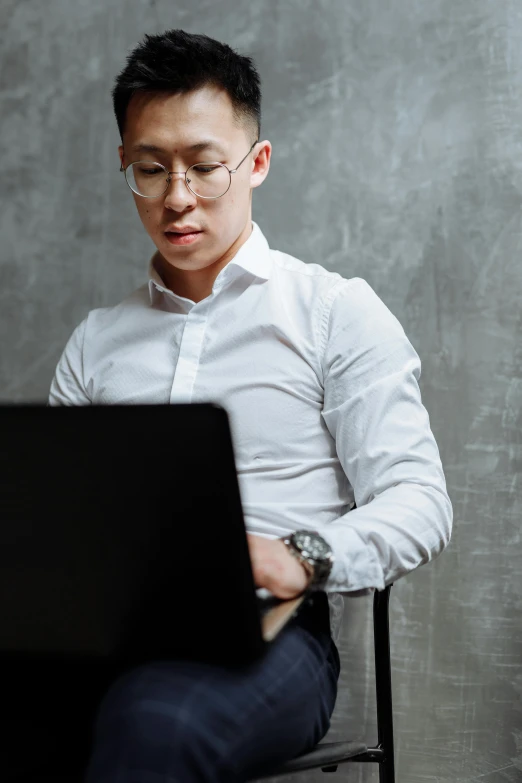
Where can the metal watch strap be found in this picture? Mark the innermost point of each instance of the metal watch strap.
(319, 571)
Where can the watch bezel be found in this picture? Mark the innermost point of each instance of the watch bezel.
(322, 565)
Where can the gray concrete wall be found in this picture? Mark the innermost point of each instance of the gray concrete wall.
(396, 128)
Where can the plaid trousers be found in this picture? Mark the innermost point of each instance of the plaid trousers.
(182, 722)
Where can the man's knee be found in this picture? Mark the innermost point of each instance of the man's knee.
(156, 719)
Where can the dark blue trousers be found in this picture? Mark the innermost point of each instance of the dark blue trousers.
(171, 721)
(183, 722)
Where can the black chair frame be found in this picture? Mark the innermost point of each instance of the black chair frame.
(328, 755)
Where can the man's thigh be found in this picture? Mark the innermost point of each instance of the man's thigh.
(182, 721)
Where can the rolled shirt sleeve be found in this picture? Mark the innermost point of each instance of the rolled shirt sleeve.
(68, 387)
(373, 410)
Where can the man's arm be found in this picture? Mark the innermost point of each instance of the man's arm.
(373, 409)
(68, 386)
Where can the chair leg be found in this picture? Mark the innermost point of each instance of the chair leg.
(387, 772)
(381, 631)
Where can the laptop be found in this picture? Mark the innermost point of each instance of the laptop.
(122, 538)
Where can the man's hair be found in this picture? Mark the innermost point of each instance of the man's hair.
(178, 62)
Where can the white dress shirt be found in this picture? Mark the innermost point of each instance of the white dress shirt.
(321, 386)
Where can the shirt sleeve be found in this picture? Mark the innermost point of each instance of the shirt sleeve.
(373, 410)
(68, 387)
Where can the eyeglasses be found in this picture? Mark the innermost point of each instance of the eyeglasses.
(205, 180)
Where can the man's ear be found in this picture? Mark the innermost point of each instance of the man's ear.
(120, 152)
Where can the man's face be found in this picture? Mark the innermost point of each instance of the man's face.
(173, 123)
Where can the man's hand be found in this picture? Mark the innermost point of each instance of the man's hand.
(275, 568)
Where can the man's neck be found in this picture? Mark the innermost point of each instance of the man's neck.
(197, 284)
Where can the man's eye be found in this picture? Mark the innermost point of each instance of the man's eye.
(150, 172)
(205, 169)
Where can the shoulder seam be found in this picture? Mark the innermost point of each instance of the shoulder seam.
(328, 301)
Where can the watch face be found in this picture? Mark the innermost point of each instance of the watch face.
(311, 545)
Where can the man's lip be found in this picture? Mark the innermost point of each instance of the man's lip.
(184, 231)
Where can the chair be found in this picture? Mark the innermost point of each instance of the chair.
(328, 755)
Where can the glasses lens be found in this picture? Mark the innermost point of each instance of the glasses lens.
(147, 179)
(208, 180)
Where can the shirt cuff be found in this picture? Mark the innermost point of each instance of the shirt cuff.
(356, 565)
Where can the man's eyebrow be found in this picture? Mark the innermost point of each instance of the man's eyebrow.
(199, 146)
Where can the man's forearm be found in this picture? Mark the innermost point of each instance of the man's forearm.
(402, 528)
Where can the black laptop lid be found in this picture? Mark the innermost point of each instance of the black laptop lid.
(122, 535)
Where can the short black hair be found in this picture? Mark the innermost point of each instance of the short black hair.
(179, 62)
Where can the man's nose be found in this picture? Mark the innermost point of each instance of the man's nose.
(178, 192)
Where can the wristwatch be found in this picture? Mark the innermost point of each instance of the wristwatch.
(313, 552)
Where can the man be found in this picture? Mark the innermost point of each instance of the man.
(321, 385)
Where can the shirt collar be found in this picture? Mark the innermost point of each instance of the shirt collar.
(253, 256)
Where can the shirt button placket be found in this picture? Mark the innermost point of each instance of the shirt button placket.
(189, 353)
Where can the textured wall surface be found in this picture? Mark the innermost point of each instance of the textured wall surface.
(397, 146)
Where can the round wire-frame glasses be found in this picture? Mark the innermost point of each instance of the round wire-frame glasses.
(187, 180)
